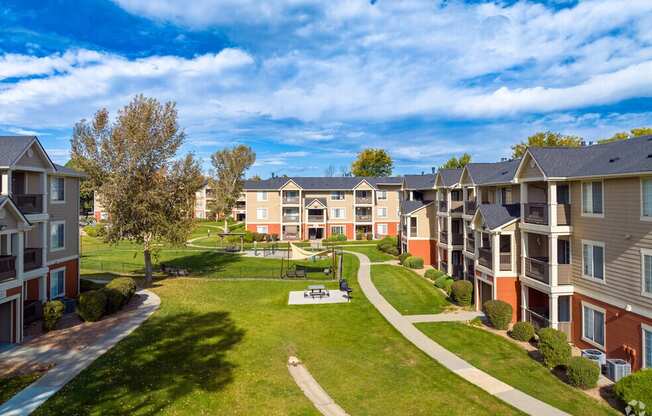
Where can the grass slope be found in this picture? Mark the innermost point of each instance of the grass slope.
(372, 252)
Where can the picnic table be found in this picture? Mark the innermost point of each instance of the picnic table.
(316, 291)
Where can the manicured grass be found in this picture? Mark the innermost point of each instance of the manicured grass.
(406, 291)
(372, 252)
(221, 347)
(511, 364)
(12, 385)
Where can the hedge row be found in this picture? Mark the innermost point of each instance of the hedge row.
(413, 262)
(388, 245)
(111, 298)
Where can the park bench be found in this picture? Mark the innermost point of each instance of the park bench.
(344, 287)
(297, 271)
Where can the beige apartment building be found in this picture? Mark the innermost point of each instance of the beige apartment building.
(39, 233)
(206, 195)
(303, 208)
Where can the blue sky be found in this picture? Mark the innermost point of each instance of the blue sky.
(310, 83)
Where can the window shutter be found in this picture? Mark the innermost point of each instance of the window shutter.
(648, 349)
(647, 271)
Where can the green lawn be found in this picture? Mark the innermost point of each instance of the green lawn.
(11, 385)
(220, 347)
(406, 291)
(372, 252)
(511, 364)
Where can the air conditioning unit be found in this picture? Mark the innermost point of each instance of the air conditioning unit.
(617, 369)
(598, 356)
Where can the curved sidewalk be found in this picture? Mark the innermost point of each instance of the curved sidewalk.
(71, 363)
(493, 386)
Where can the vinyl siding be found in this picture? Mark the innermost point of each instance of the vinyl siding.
(68, 212)
(273, 205)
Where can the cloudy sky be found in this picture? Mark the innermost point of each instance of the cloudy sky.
(308, 83)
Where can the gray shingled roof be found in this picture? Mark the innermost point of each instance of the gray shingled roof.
(4, 199)
(450, 177)
(496, 215)
(419, 182)
(323, 183)
(11, 147)
(70, 172)
(408, 207)
(620, 157)
(311, 200)
(493, 173)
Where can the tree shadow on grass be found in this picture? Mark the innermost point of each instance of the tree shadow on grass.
(165, 361)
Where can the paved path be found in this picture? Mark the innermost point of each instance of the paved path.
(458, 316)
(313, 391)
(505, 392)
(70, 363)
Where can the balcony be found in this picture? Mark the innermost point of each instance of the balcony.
(291, 218)
(363, 199)
(470, 207)
(505, 261)
(443, 237)
(484, 257)
(458, 271)
(316, 218)
(7, 268)
(363, 217)
(457, 207)
(291, 200)
(32, 258)
(29, 203)
(457, 239)
(539, 269)
(470, 243)
(537, 213)
(443, 206)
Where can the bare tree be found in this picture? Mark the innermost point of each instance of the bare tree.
(329, 171)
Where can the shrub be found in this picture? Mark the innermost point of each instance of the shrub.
(392, 251)
(403, 256)
(114, 299)
(522, 331)
(477, 321)
(637, 386)
(118, 293)
(52, 313)
(448, 286)
(85, 285)
(582, 372)
(335, 237)
(388, 244)
(414, 262)
(92, 305)
(248, 237)
(440, 282)
(499, 313)
(462, 292)
(554, 347)
(90, 231)
(434, 274)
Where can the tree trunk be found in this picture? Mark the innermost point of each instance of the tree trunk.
(148, 267)
(226, 224)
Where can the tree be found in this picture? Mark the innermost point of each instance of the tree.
(148, 193)
(455, 163)
(229, 168)
(372, 162)
(85, 188)
(256, 178)
(329, 171)
(637, 132)
(546, 139)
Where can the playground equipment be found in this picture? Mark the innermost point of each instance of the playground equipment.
(288, 270)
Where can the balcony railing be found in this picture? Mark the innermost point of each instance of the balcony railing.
(443, 206)
(363, 217)
(32, 258)
(536, 319)
(537, 213)
(505, 261)
(29, 203)
(470, 207)
(537, 269)
(563, 214)
(291, 236)
(484, 257)
(564, 274)
(291, 199)
(363, 199)
(315, 218)
(457, 239)
(443, 237)
(457, 207)
(293, 218)
(7, 267)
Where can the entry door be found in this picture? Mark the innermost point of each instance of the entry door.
(5, 322)
(485, 292)
(315, 233)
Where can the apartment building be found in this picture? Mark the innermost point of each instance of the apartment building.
(450, 225)
(418, 229)
(39, 232)
(206, 195)
(302, 208)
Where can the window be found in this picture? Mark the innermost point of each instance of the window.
(646, 198)
(337, 212)
(261, 196)
(647, 346)
(337, 230)
(261, 213)
(261, 229)
(382, 212)
(382, 229)
(413, 226)
(57, 235)
(593, 325)
(57, 192)
(592, 198)
(381, 195)
(646, 272)
(593, 260)
(337, 196)
(57, 283)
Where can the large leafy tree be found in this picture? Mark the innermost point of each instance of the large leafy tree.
(546, 139)
(372, 162)
(85, 188)
(132, 162)
(454, 163)
(229, 167)
(624, 135)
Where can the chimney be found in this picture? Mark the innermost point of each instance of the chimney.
(503, 159)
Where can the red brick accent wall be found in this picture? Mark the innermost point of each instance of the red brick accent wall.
(32, 291)
(72, 277)
(348, 230)
(622, 329)
(424, 248)
(508, 290)
(392, 228)
(271, 228)
(14, 291)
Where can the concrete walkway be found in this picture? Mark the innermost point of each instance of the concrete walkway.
(493, 386)
(67, 364)
(458, 316)
(313, 391)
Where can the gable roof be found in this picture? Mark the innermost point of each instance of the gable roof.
(492, 173)
(335, 183)
(408, 207)
(13, 147)
(69, 172)
(497, 215)
(322, 201)
(449, 177)
(621, 157)
(419, 182)
(6, 200)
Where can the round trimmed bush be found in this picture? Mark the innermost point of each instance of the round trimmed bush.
(448, 286)
(499, 313)
(554, 348)
(462, 292)
(114, 299)
(636, 386)
(393, 250)
(125, 285)
(52, 313)
(414, 262)
(92, 305)
(441, 281)
(522, 331)
(403, 256)
(434, 274)
(387, 244)
(582, 372)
